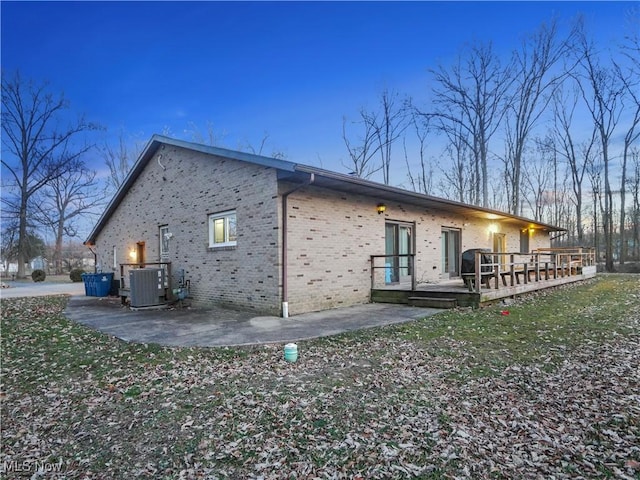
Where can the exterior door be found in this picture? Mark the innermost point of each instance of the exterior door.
(141, 254)
(524, 241)
(500, 245)
(398, 241)
(450, 252)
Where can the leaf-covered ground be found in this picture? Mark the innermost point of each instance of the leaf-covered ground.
(551, 390)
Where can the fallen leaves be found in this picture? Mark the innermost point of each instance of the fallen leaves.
(378, 405)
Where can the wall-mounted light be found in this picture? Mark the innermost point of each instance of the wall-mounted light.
(532, 230)
(380, 208)
(133, 254)
(493, 228)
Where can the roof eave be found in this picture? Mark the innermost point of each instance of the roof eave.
(386, 192)
(149, 151)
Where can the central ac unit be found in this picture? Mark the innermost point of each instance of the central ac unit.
(147, 287)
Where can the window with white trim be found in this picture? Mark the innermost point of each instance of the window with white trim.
(222, 229)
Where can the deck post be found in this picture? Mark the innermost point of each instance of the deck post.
(412, 263)
(546, 270)
(372, 261)
(478, 278)
(512, 269)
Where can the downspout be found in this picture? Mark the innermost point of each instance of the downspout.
(285, 289)
(95, 257)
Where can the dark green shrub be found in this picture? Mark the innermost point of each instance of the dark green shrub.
(38, 275)
(76, 274)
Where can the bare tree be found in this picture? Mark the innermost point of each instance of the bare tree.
(462, 177)
(537, 179)
(260, 149)
(633, 183)
(421, 181)
(209, 137)
(361, 154)
(629, 78)
(388, 127)
(9, 241)
(119, 159)
(469, 101)
(65, 200)
(631, 44)
(534, 82)
(602, 93)
(577, 155)
(594, 170)
(39, 149)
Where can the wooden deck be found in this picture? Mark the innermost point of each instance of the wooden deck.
(503, 279)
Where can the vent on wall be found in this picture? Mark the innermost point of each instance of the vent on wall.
(147, 287)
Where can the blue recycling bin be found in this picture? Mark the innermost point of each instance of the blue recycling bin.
(97, 284)
(103, 284)
(89, 284)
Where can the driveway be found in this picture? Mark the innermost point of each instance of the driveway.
(211, 327)
(39, 289)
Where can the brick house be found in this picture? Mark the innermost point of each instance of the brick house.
(272, 235)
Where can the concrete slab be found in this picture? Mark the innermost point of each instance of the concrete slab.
(217, 327)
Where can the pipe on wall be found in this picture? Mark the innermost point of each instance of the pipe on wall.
(285, 286)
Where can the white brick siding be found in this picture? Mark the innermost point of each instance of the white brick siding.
(331, 235)
(192, 186)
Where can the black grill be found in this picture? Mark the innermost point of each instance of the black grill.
(469, 261)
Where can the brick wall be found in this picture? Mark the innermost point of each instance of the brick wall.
(182, 195)
(332, 236)
(330, 239)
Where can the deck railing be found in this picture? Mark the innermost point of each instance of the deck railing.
(493, 270)
(391, 263)
(507, 269)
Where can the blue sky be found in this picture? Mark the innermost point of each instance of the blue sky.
(289, 69)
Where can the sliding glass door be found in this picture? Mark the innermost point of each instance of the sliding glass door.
(450, 252)
(398, 241)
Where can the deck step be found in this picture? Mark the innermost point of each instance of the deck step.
(433, 302)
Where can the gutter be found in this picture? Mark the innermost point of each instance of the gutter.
(285, 283)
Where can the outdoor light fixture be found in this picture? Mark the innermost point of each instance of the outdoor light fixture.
(493, 228)
(133, 255)
(381, 208)
(531, 230)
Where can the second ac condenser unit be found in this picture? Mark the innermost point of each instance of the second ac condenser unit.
(147, 287)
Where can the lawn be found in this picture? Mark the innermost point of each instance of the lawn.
(546, 387)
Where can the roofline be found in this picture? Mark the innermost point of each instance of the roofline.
(420, 196)
(157, 141)
(152, 147)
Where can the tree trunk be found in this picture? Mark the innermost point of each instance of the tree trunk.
(58, 248)
(608, 218)
(22, 238)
